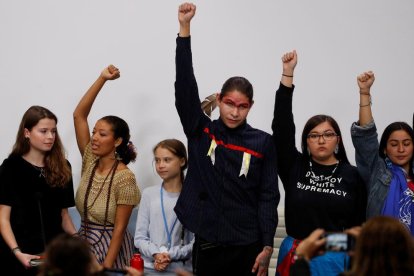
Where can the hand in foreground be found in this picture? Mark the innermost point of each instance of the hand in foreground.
(311, 246)
(24, 258)
(110, 73)
(354, 231)
(261, 264)
(133, 272)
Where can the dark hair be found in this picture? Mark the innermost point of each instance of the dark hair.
(315, 121)
(384, 247)
(57, 169)
(126, 149)
(66, 256)
(177, 148)
(240, 84)
(386, 135)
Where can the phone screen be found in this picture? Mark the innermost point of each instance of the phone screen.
(341, 242)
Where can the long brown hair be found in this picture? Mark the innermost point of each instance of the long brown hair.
(57, 169)
(384, 247)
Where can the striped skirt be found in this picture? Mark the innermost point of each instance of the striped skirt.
(99, 238)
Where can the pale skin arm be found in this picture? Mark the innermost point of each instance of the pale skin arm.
(82, 110)
(289, 61)
(67, 223)
(123, 212)
(261, 264)
(186, 11)
(365, 81)
(8, 236)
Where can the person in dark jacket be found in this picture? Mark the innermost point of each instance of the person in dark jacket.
(230, 194)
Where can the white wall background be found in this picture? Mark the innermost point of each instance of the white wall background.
(51, 51)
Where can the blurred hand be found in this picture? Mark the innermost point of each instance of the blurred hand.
(313, 245)
(261, 264)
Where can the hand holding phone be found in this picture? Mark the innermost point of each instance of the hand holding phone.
(339, 242)
(37, 262)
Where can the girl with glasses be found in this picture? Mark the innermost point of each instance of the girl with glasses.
(322, 189)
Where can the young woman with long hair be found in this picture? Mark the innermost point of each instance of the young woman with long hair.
(36, 191)
(108, 190)
(386, 166)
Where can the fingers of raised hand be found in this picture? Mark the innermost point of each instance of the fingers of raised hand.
(186, 7)
(366, 76)
(288, 56)
(113, 72)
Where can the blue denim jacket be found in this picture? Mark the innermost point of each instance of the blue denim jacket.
(371, 166)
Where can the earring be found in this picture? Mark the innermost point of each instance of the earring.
(117, 156)
(336, 149)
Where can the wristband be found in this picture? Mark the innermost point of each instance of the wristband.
(365, 105)
(289, 76)
(16, 249)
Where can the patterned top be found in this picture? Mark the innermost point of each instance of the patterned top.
(124, 190)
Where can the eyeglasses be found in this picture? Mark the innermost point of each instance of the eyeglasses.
(327, 136)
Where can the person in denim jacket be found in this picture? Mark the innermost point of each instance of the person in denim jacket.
(387, 166)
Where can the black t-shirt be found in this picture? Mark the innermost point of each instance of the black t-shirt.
(35, 206)
(329, 197)
(315, 197)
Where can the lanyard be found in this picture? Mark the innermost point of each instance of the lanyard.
(169, 233)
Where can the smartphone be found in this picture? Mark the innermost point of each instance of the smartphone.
(115, 272)
(36, 262)
(339, 241)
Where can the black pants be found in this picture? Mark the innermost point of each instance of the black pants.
(214, 259)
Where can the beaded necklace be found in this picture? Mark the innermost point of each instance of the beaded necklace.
(333, 171)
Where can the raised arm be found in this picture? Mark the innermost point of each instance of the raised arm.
(80, 115)
(283, 125)
(187, 99)
(289, 61)
(365, 81)
(364, 132)
(186, 12)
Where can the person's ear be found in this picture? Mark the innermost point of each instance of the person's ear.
(118, 142)
(26, 133)
(218, 100)
(182, 162)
